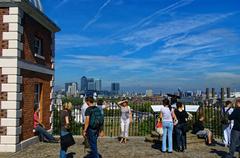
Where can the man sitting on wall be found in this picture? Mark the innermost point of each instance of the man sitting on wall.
(202, 132)
(40, 130)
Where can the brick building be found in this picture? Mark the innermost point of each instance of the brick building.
(27, 44)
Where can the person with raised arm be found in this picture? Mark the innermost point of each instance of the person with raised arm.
(126, 119)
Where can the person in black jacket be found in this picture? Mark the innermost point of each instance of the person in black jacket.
(202, 132)
(181, 127)
(235, 133)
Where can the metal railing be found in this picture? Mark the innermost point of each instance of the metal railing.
(143, 120)
(142, 114)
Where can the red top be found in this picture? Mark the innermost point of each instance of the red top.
(159, 125)
(35, 119)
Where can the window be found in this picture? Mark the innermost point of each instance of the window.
(37, 94)
(38, 46)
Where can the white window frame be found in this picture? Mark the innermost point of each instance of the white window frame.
(38, 48)
(38, 94)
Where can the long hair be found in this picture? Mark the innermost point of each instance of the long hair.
(67, 106)
(166, 102)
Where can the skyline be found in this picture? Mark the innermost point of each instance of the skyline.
(166, 44)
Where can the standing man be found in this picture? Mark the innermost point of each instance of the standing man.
(93, 126)
(235, 133)
(83, 110)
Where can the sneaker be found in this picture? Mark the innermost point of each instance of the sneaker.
(211, 144)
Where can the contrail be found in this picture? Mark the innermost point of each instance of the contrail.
(161, 11)
(97, 16)
(62, 3)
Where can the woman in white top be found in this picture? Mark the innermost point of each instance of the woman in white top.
(227, 124)
(126, 119)
(167, 115)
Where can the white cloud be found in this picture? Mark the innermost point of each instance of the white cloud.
(223, 75)
(145, 37)
(77, 41)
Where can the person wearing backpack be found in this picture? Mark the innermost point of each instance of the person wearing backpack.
(93, 126)
(227, 124)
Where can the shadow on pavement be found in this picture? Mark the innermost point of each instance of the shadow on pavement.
(71, 155)
(157, 145)
(222, 154)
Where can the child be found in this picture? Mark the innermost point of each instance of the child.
(158, 127)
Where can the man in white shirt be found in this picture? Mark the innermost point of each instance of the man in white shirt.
(83, 109)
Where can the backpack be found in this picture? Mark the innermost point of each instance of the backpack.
(224, 118)
(96, 118)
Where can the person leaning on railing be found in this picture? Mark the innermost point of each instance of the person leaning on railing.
(126, 119)
(202, 132)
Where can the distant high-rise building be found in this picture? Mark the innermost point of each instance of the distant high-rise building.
(98, 85)
(115, 88)
(91, 84)
(84, 83)
(66, 86)
(72, 88)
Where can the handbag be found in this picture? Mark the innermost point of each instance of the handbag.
(67, 140)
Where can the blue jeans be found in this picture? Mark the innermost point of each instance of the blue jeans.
(63, 151)
(181, 137)
(43, 133)
(92, 136)
(167, 131)
(234, 143)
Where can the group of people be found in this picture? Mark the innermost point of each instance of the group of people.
(173, 120)
(231, 126)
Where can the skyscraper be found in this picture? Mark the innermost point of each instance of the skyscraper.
(71, 88)
(91, 84)
(98, 85)
(84, 83)
(115, 87)
(66, 86)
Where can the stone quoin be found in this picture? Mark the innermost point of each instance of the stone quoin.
(27, 51)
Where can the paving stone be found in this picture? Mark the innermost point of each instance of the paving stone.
(111, 148)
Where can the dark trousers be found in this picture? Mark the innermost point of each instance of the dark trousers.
(234, 142)
(43, 133)
(92, 136)
(181, 137)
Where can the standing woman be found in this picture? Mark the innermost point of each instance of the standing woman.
(167, 115)
(65, 126)
(181, 127)
(126, 119)
(227, 124)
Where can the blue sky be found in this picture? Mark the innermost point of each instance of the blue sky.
(157, 44)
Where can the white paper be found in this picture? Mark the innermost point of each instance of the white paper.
(192, 108)
(189, 108)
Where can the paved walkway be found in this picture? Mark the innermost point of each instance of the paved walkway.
(111, 148)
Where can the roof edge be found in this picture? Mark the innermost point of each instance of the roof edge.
(30, 9)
